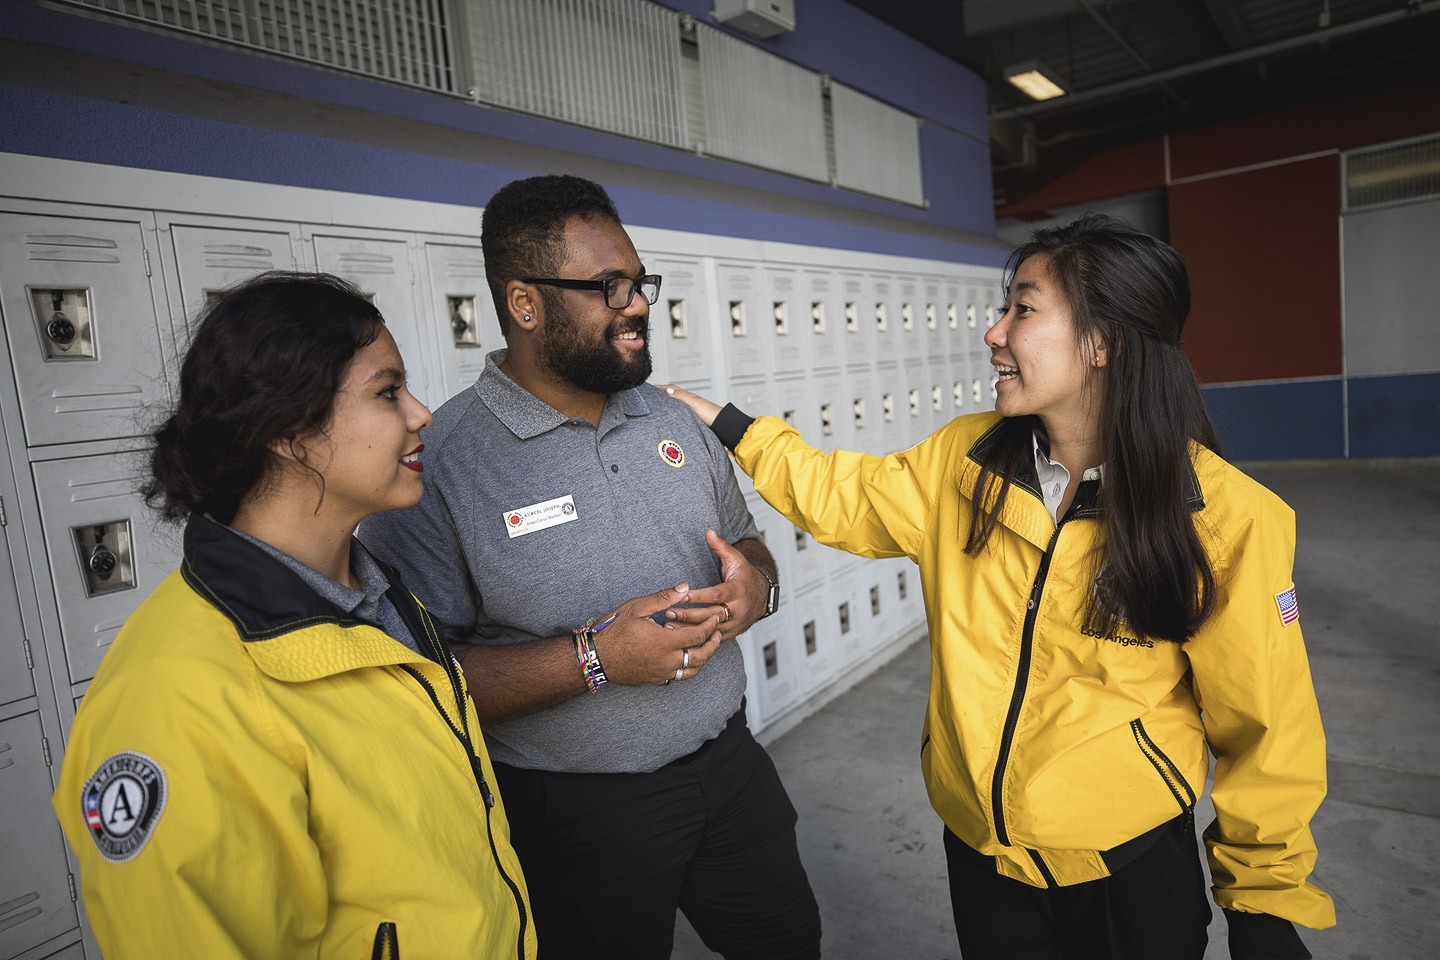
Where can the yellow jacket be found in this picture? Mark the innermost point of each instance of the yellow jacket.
(1044, 746)
(252, 774)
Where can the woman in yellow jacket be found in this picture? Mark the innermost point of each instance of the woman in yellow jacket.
(279, 758)
(1106, 599)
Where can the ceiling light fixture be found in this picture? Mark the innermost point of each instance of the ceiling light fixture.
(1035, 80)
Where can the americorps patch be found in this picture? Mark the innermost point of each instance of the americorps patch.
(121, 802)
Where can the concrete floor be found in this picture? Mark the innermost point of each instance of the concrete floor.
(1367, 571)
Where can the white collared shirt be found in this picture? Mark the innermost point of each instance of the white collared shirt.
(1054, 478)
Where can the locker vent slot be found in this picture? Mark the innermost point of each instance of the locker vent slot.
(404, 41)
(612, 65)
(1395, 173)
(760, 109)
(877, 148)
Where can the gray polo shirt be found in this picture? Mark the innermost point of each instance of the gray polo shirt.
(533, 522)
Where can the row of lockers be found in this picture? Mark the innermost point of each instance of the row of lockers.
(836, 611)
(873, 409)
(95, 328)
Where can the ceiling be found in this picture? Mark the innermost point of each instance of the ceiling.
(1140, 68)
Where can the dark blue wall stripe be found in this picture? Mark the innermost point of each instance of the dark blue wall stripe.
(1300, 420)
(1395, 416)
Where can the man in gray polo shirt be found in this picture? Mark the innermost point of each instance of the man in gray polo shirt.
(561, 488)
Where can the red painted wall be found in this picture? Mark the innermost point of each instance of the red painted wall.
(1111, 173)
(1263, 250)
(1263, 244)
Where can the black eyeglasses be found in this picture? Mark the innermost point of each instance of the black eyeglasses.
(619, 291)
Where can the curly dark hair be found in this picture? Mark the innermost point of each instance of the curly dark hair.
(522, 231)
(265, 364)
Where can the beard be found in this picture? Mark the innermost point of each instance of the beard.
(595, 366)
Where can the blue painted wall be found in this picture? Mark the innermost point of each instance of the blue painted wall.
(1298, 419)
(1385, 416)
(101, 127)
(1396, 416)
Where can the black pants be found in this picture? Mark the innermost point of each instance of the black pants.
(609, 858)
(1153, 908)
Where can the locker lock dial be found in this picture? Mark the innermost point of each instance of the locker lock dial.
(59, 329)
(102, 558)
(106, 556)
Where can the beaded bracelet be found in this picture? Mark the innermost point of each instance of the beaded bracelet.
(585, 651)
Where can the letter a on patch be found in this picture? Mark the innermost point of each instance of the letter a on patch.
(1289, 607)
(121, 803)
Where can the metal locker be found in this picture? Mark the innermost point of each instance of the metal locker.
(756, 399)
(937, 333)
(847, 614)
(461, 313)
(942, 409)
(35, 904)
(902, 582)
(209, 258)
(681, 321)
(379, 265)
(80, 308)
(883, 309)
(752, 684)
(919, 412)
(795, 404)
(777, 664)
(865, 410)
(910, 307)
(824, 317)
(878, 609)
(775, 532)
(857, 319)
(17, 679)
(747, 320)
(832, 413)
(960, 402)
(952, 313)
(792, 320)
(816, 636)
(106, 549)
(978, 353)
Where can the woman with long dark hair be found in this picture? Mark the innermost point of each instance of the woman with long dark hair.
(1107, 600)
(278, 757)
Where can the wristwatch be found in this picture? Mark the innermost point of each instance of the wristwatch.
(772, 599)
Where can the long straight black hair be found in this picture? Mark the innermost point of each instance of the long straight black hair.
(1131, 292)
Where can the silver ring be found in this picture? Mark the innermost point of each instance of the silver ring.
(685, 664)
(680, 674)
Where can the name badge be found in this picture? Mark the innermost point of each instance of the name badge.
(539, 516)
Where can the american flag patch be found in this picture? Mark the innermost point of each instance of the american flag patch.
(92, 810)
(1289, 608)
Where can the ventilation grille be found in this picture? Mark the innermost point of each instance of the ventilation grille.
(406, 41)
(609, 64)
(760, 109)
(1392, 174)
(877, 148)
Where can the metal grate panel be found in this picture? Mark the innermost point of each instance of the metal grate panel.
(877, 148)
(1394, 173)
(609, 64)
(760, 109)
(405, 41)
